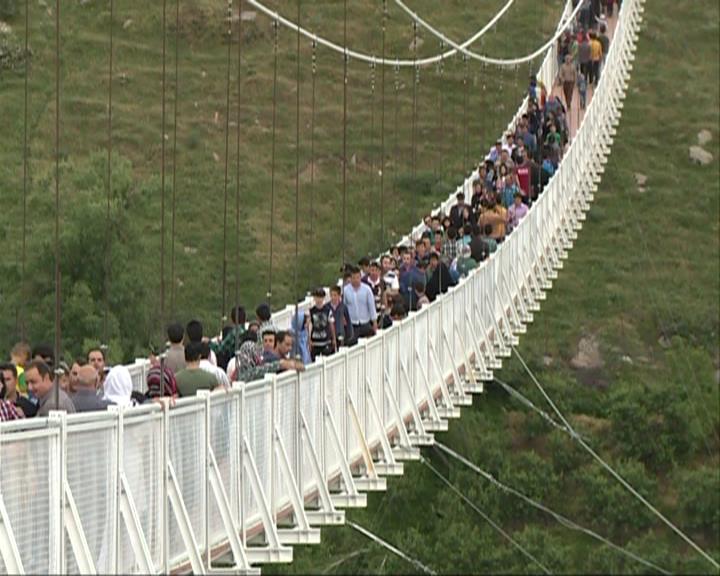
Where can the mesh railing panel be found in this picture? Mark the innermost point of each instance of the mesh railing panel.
(26, 484)
(224, 430)
(355, 386)
(143, 467)
(186, 439)
(93, 482)
(420, 355)
(392, 361)
(286, 421)
(311, 407)
(374, 367)
(405, 394)
(335, 395)
(257, 418)
(447, 322)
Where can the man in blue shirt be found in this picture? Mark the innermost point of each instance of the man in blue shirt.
(360, 302)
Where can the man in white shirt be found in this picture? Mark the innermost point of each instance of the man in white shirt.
(209, 367)
(360, 302)
(390, 276)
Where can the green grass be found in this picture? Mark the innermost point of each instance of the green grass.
(642, 277)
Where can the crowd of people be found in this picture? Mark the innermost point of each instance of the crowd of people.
(372, 295)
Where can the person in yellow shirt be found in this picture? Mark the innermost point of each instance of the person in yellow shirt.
(20, 356)
(596, 56)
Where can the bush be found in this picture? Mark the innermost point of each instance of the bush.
(8, 9)
(654, 424)
(700, 500)
(606, 503)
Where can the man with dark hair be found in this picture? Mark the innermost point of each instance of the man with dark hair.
(175, 357)
(194, 332)
(343, 325)
(449, 249)
(9, 391)
(232, 337)
(364, 264)
(377, 285)
(85, 398)
(264, 318)
(457, 216)
(361, 305)
(284, 344)
(440, 279)
(40, 382)
(96, 358)
(45, 353)
(194, 378)
(322, 326)
(268, 346)
(417, 298)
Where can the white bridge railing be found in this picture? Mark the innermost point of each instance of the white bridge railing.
(245, 474)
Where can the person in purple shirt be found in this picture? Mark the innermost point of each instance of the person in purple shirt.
(516, 212)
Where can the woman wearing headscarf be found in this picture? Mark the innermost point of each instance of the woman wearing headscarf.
(118, 387)
(160, 386)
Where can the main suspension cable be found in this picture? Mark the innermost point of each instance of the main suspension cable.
(607, 467)
(487, 518)
(564, 23)
(370, 58)
(563, 520)
(399, 553)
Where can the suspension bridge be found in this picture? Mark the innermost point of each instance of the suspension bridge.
(230, 480)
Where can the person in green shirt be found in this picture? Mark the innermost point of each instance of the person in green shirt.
(232, 338)
(194, 378)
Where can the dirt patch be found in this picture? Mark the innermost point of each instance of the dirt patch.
(704, 137)
(700, 156)
(588, 355)
(589, 425)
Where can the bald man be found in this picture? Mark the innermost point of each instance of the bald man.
(85, 397)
